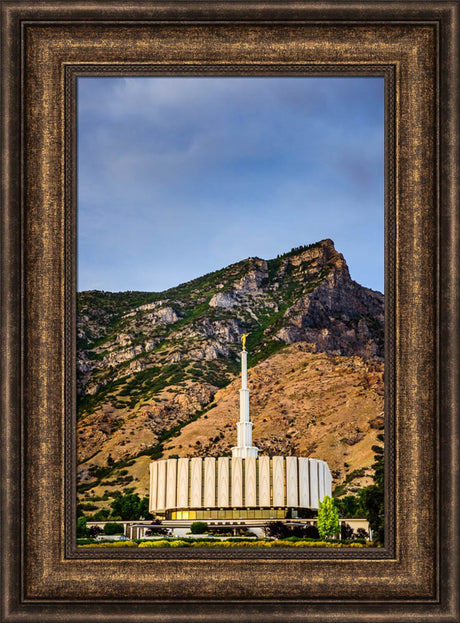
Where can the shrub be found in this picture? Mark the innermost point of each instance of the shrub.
(156, 528)
(277, 530)
(179, 544)
(88, 507)
(346, 531)
(219, 531)
(280, 530)
(198, 527)
(101, 515)
(113, 528)
(362, 534)
(113, 544)
(310, 531)
(94, 531)
(205, 543)
(154, 544)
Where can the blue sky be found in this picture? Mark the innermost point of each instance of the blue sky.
(178, 177)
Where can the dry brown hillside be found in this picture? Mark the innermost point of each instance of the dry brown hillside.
(302, 403)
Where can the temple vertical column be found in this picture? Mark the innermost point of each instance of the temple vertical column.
(244, 426)
(244, 391)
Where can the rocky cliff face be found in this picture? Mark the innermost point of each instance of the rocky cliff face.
(149, 363)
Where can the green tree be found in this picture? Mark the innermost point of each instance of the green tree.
(379, 464)
(198, 527)
(82, 528)
(101, 514)
(371, 502)
(130, 507)
(328, 518)
(347, 506)
(371, 499)
(144, 508)
(113, 528)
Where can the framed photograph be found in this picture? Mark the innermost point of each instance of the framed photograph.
(175, 296)
(196, 137)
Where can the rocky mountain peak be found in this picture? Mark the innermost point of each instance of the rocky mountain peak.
(319, 256)
(149, 363)
(304, 295)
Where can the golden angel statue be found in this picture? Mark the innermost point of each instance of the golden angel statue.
(243, 339)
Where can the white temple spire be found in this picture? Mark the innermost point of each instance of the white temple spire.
(244, 448)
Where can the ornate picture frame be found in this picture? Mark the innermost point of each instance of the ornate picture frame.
(46, 46)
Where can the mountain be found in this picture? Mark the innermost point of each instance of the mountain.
(156, 372)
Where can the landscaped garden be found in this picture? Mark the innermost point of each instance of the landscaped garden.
(229, 542)
(277, 534)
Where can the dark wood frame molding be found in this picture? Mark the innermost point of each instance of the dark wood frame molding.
(45, 46)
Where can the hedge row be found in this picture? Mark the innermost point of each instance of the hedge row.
(179, 543)
(111, 544)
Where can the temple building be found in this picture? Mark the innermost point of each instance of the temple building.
(243, 486)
